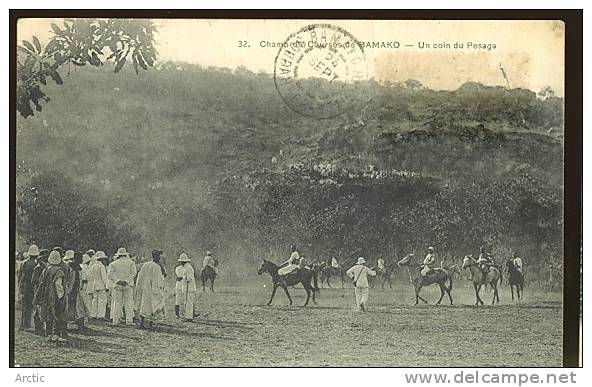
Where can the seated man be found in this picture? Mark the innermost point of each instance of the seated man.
(291, 264)
(428, 263)
(380, 266)
(484, 261)
(517, 261)
(334, 263)
(209, 261)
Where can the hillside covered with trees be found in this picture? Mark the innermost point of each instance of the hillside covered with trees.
(185, 158)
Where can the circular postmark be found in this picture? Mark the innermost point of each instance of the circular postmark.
(321, 71)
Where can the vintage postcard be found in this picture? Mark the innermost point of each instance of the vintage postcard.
(289, 192)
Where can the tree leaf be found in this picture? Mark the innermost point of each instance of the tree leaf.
(37, 44)
(56, 29)
(119, 65)
(94, 59)
(29, 46)
(55, 76)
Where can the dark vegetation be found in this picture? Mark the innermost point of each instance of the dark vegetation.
(185, 158)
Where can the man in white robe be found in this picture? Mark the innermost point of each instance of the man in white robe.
(148, 291)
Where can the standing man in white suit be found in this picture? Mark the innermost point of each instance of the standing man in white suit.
(122, 274)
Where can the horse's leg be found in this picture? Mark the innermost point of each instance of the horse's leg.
(341, 274)
(329, 283)
(518, 291)
(494, 287)
(306, 287)
(287, 293)
(476, 293)
(512, 291)
(212, 285)
(203, 283)
(441, 293)
(497, 294)
(275, 286)
(419, 290)
(449, 295)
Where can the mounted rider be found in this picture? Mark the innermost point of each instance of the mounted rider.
(291, 264)
(209, 261)
(334, 263)
(427, 267)
(484, 261)
(380, 266)
(517, 261)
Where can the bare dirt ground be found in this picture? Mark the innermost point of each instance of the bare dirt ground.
(235, 328)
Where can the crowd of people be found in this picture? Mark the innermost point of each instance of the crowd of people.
(57, 287)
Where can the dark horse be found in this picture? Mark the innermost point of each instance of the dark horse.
(302, 275)
(515, 278)
(439, 276)
(329, 271)
(208, 273)
(386, 275)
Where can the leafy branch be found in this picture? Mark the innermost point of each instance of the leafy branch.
(79, 42)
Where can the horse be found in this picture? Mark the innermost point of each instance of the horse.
(302, 275)
(440, 276)
(492, 277)
(329, 271)
(208, 273)
(386, 275)
(515, 278)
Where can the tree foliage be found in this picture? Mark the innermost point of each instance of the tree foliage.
(79, 42)
(53, 210)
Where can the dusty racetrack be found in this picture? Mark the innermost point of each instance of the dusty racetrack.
(235, 328)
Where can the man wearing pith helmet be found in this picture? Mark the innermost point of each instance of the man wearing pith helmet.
(26, 287)
(97, 285)
(359, 274)
(122, 274)
(51, 297)
(188, 286)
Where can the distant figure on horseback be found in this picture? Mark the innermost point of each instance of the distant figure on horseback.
(483, 272)
(517, 261)
(429, 261)
(332, 268)
(209, 271)
(335, 263)
(380, 268)
(484, 261)
(304, 276)
(292, 264)
(384, 271)
(432, 276)
(515, 275)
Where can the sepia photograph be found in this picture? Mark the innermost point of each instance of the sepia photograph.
(289, 192)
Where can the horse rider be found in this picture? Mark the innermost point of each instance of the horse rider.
(334, 263)
(517, 261)
(209, 261)
(484, 261)
(428, 262)
(292, 263)
(380, 264)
